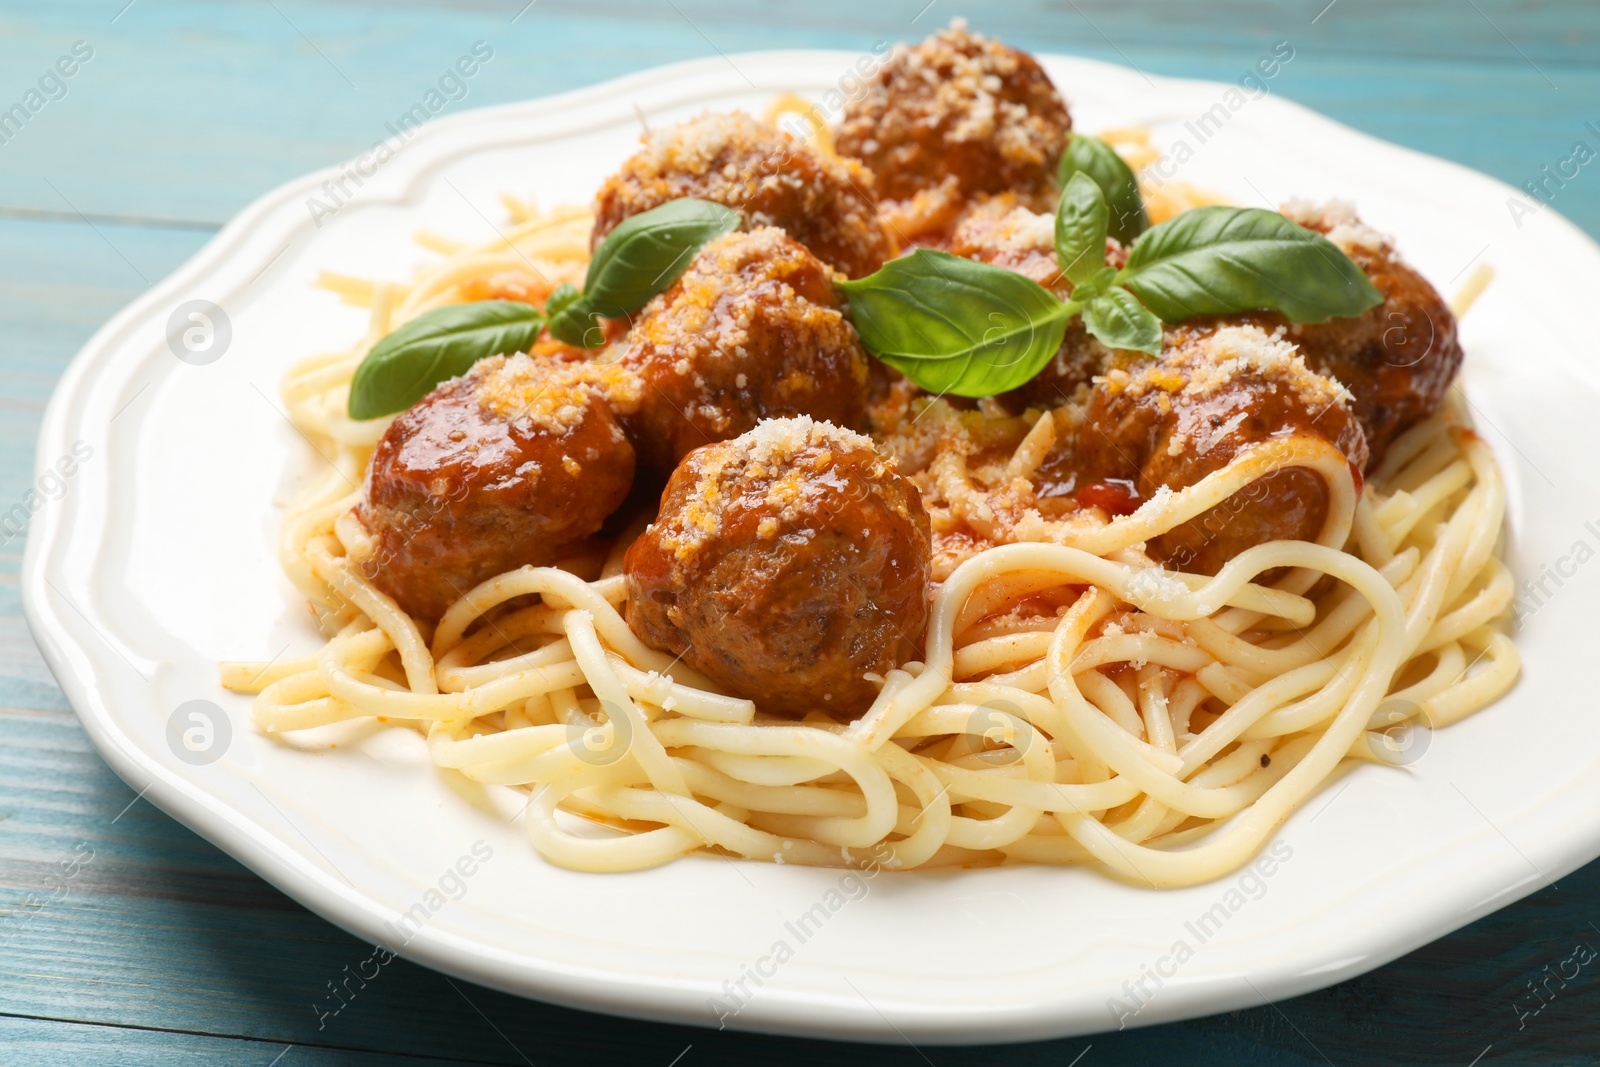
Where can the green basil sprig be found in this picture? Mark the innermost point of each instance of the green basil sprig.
(958, 326)
(1110, 313)
(1093, 157)
(437, 345)
(638, 259)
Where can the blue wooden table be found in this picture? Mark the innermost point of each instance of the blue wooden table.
(126, 939)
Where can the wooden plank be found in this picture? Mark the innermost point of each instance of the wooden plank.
(59, 280)
(184, 115)
(1556, 32)
(53, 1043)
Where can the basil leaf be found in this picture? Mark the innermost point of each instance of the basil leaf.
(564, 296)
(1097, 282)
(576, 323)
(954, 325)
(1081, 221)
(642, 256)
(436, 345)
(1093, 157)
(1218, 260)
(1118, 320)
(647, 252)
(570, 317)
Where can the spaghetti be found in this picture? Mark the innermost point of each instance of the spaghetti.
(1076, 702)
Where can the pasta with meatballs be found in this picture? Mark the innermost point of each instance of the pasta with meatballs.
(814, 551)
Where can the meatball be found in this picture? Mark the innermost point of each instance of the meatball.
(753, 329)
(958, 116)
(786, 565)
(1397, 359)
(1166, 423)
(514, 463)
(766, 175)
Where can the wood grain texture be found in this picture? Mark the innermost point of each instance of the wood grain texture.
(157, 948)
(188, 110)
(55, 1041)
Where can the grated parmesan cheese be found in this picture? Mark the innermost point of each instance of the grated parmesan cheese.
(1216, 361)
(1338, 221)
(549, 395)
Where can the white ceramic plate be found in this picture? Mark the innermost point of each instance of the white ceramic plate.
(159, 561)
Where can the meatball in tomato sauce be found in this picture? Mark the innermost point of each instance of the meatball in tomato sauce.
(769, 177)
(955, 118)
(516, 462)
(1165, 423)
(787, 565)
(753, 329)
(1397, 359)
